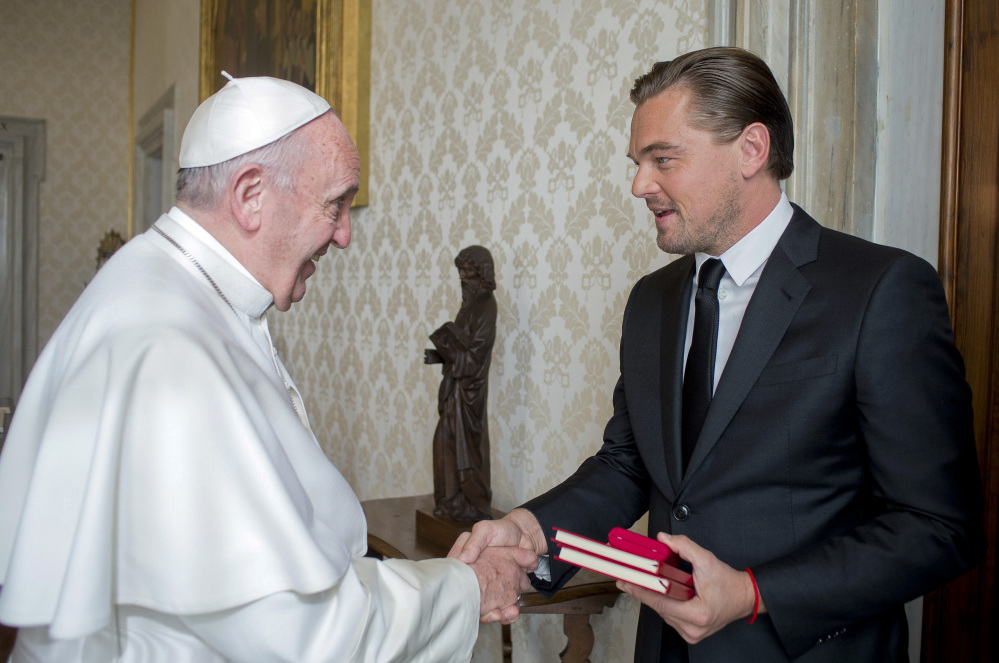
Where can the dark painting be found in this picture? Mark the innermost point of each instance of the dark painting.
(267, 38)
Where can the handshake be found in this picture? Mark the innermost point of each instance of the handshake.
(502, 552)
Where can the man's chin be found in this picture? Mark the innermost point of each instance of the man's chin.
(669, 244)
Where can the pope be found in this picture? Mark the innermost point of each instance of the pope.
(162, 495)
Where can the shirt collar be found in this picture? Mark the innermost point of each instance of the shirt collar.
(242, 290)
(745, 256)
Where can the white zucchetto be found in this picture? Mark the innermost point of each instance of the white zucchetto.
(246, 114)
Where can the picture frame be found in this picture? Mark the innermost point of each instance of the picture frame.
(323, 45)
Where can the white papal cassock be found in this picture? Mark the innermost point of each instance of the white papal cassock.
(162, 497)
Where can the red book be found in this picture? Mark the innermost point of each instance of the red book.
(646, 567)
(625, 539)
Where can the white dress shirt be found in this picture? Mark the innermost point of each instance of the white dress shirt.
(744, 263)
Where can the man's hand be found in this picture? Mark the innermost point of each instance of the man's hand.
(519, 528)
(517, 537)
(723, 594)
(502, 574)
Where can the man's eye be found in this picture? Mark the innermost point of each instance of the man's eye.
(662, 160)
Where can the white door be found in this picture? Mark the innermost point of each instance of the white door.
(22, 167)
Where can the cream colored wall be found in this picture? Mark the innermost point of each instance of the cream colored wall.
(503, 124)
(498, 123)
(66, 61)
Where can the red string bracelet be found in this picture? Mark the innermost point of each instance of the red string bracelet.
(756, 606)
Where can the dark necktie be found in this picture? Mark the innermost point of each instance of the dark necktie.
(699, 375)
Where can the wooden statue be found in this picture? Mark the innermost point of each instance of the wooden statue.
(461, 442)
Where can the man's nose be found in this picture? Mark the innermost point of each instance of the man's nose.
(643, 186)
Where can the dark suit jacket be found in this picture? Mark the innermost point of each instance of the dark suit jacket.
(837, 459)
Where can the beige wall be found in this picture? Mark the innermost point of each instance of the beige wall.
(503, 124)
(66, 62)
(500, 123)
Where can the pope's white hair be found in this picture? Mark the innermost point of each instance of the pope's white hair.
(202, 188)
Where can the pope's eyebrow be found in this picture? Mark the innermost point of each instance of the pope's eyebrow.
(352, 191)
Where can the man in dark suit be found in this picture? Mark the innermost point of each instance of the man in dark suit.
(812, 457)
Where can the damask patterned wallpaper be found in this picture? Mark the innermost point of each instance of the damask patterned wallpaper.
(498, 123)
(503, 124)
(66, 61)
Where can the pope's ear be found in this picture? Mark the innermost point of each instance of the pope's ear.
(248, 191)
(755, 147)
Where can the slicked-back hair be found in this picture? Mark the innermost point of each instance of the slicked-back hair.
(730, 88)
(202, 188)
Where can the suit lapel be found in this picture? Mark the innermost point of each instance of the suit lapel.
(652, 361)
(776, 300)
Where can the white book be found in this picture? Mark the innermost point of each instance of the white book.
(563, 537)
(607, 567)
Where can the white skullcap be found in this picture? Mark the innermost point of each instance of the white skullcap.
(246, 114)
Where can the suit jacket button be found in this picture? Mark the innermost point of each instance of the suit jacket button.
(681, 512)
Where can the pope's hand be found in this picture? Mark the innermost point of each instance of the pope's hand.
(502, 574)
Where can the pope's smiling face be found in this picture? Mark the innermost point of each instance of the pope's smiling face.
(315, 214)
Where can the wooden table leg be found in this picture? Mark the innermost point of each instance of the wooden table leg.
(580, 634)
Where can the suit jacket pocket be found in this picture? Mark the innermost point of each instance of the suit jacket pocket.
(798, 370)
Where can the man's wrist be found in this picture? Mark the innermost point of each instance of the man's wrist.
(754, 597)
(532, 536)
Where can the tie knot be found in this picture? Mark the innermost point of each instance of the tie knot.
(711, 274)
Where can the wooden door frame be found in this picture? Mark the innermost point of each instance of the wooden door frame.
(958, 621)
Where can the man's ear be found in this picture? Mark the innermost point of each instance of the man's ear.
(755, 147)
(248, 191)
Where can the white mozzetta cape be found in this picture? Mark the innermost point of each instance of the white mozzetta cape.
(157, 460)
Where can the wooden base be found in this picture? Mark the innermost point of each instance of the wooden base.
(441, 531)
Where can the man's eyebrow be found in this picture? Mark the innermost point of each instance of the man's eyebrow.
(654, 147)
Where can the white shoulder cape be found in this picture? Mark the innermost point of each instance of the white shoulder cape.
(155, 458)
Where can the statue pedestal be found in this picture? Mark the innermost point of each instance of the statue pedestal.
(441, 530)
